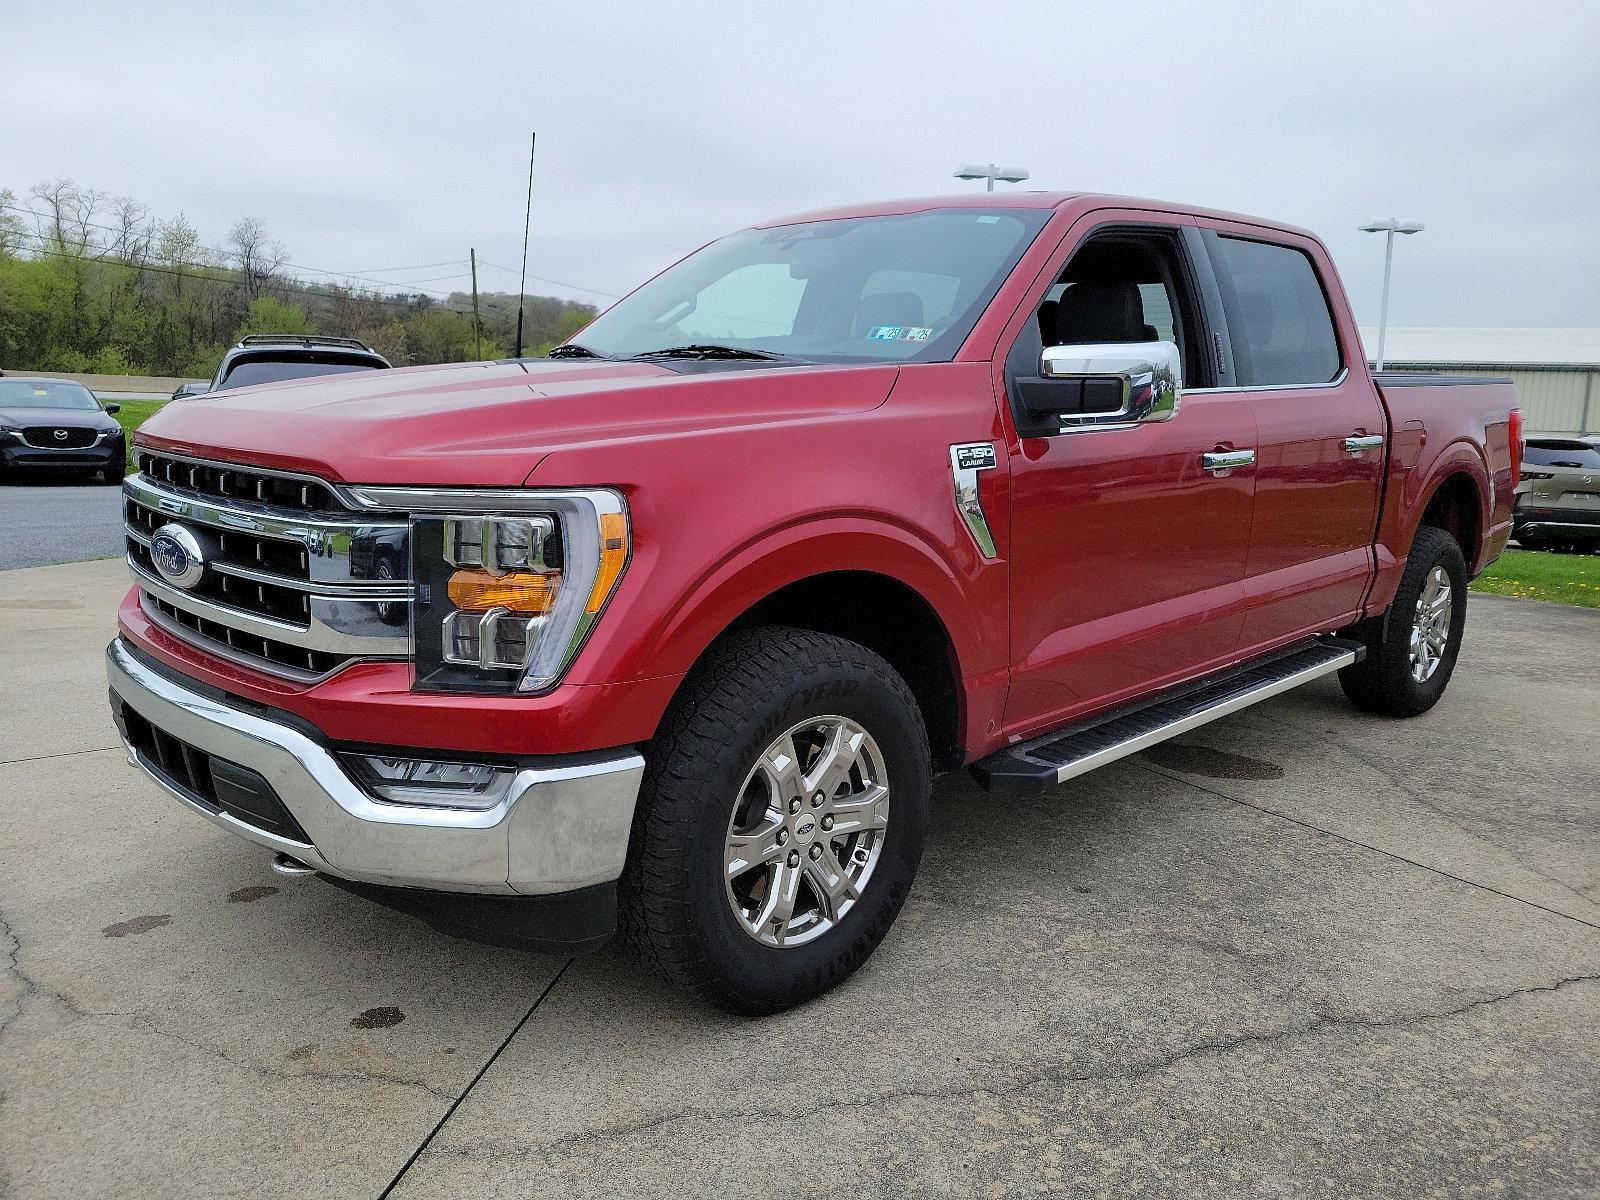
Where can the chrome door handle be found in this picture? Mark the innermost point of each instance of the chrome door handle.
(1356, 444)
(1226, 460)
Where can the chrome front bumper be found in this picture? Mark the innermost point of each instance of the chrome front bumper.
(563, 826)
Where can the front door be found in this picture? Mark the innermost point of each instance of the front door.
(1128, 554)
(1320, 432)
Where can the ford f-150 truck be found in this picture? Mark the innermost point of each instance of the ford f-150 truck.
(672, 631)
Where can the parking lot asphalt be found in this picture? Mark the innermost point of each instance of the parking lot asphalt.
(1303, 952)
(58, 519)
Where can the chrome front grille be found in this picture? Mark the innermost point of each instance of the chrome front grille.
(226, 481)
(295, 589)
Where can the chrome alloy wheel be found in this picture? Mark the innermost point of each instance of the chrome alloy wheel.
(1430, 627)
(807, 831)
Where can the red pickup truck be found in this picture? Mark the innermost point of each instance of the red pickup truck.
(672, 631)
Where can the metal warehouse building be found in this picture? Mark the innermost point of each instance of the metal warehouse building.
(1557, 371)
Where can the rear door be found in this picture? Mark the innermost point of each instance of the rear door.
(1320, 433)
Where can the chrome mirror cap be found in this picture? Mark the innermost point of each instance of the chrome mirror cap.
(1150, 374)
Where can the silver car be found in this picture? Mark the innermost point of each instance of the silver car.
(1558, 495)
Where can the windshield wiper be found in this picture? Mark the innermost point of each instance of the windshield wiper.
(573, 350)
(709, 351)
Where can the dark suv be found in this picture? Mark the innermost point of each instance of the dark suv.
(275, 357)
(57, 424)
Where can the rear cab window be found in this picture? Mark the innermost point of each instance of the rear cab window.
(1280, 325)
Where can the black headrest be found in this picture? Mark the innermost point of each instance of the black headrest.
(1101, 312)
(887, 308)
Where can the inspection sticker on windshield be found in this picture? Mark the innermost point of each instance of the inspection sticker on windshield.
(899, 333)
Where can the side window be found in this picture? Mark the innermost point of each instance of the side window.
(1278, 319)
(1123, 285)
(757, 301)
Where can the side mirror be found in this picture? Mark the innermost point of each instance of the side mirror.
(113, 409)
(1113, 383)
(190, 389)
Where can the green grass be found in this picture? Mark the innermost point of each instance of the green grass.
(1536, 575)
(133, 414)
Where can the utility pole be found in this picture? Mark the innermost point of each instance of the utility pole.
(477, 329)
(527, 217)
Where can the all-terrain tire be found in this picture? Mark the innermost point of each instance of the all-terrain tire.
(1384, 682)
(749, 690)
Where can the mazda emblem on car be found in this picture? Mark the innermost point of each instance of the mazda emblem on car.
(61, 435)
(177, 555)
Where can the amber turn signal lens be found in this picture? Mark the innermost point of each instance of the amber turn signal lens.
(518, 591)
(613, 557)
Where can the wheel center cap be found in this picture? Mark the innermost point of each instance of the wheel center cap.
(805, 828)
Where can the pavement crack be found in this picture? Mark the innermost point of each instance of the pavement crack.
(11, 762)
(1216, 1047)
(14, 969)
(1163, 773)
(1472, 827)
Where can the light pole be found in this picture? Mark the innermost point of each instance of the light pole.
(989, 173)
(1388, 228)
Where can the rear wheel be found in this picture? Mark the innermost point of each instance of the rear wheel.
(1412, 651)
(780, 822)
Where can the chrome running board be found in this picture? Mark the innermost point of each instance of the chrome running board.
(1042, 762)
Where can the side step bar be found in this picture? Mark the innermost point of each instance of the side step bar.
(1042, 762)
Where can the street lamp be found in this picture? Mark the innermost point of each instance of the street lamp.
(1388, 228)
(989, 173)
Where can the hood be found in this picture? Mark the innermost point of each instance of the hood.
(489, 424)
(58, 418)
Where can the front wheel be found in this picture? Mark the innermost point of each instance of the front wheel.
(1412, 651)
(780, 822)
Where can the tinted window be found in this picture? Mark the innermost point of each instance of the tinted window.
(905, 288)
(46, 393)
(249, 371)
(1561, 454)
(1278, 318)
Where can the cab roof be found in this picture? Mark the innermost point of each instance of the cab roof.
(1085, 201)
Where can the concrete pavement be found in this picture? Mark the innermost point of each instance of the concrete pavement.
(1304, 952)
(54, 518)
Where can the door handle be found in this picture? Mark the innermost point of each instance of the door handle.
(1357, 444)
(1226, 460)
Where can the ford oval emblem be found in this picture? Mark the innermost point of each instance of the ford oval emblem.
(177, 556)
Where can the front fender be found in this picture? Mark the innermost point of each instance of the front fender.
(819, 546)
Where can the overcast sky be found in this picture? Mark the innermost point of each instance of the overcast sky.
(370, 137)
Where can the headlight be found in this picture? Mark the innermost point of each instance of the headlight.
(506, 585)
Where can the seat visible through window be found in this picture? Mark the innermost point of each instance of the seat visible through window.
(1101, 312)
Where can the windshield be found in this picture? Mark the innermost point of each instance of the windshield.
(46, 393)
(249, 371)
(860, 289)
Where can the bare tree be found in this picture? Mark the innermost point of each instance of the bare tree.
(131, 231)
(67, 225)
(257, 255)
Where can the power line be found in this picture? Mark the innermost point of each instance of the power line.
(577, 287)
(312, 289)
(222, 253)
